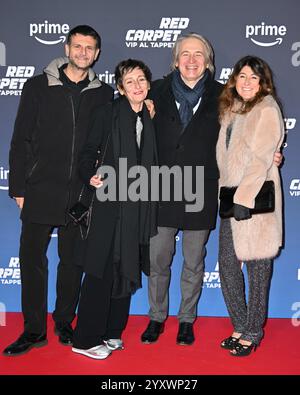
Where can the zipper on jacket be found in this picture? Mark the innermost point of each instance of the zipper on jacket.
(73, 138)
(32, 170)
(72, 155)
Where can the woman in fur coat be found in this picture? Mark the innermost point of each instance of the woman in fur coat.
(251, 132)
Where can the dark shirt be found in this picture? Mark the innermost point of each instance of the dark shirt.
(73, 88)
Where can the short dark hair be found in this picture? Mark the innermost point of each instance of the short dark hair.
(85, 30)
(128, 65)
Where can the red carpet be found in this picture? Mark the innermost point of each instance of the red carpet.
(279, 353)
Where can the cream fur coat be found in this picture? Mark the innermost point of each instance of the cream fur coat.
(247, 163)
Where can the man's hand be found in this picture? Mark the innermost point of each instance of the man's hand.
(20, 202)
(96, 181)
(278, 158)
(150, 105)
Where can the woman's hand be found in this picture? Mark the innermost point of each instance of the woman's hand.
(278, 158)
(241, 212)
(96, 181)
(150, 105)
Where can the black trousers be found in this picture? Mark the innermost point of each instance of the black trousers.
(34, 243)
(100, 316)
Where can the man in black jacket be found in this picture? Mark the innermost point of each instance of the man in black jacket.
(54, 116)
(187, 127)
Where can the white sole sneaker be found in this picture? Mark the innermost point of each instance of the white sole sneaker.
(97, 352)
(114, 344)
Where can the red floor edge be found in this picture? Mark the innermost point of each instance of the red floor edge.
(278, 354)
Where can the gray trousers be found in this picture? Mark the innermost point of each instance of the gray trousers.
(162, 248)
(247, 318)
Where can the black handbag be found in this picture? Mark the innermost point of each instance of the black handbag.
(81, 212)
(264, 201)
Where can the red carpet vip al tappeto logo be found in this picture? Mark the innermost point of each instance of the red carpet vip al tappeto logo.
(225, 74)
(212, 279)
(13, 78)
(289, 125)
(295, 187)
(10, 275)
(164, 37)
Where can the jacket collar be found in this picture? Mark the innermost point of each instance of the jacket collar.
(52, 73)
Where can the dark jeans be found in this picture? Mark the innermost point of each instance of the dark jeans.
(34, 243)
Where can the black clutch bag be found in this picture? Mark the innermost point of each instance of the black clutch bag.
(264, 201)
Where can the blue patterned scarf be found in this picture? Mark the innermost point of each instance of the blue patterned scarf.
(186, 96)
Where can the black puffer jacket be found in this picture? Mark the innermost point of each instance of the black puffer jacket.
(46, 143)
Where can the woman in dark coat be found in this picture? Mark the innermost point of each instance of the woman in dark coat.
(120, 228)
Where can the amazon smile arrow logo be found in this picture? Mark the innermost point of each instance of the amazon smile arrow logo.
(62, 39)
(41, 29)
(266, 35)
(277, 41)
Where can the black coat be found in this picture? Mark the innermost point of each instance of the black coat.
(46, 141)
(118, 230)
(193, 146)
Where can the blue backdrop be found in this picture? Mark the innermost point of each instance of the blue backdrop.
(32, 33)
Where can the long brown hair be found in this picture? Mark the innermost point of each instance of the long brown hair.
(230, 94)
